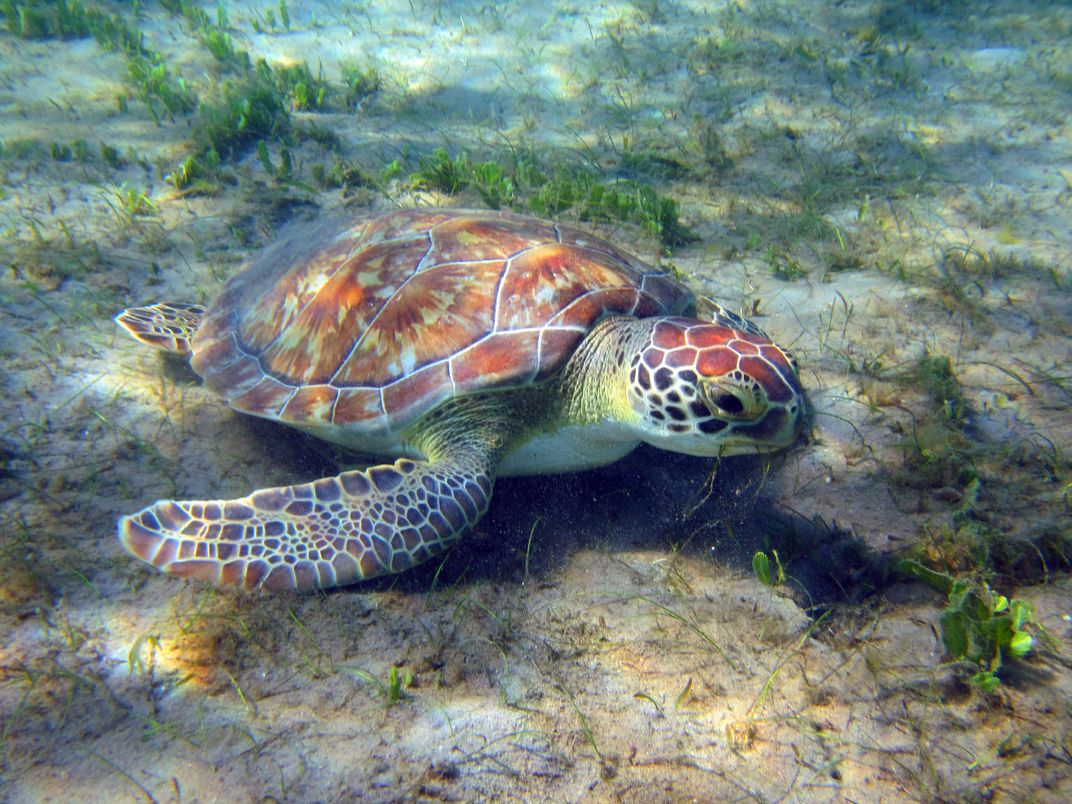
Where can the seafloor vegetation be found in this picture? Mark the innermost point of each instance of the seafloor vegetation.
(881, 612)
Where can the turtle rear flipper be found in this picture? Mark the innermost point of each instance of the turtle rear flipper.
(169, 325)
(330, 532)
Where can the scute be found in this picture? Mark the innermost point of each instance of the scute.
(433, 315)
(370, 323)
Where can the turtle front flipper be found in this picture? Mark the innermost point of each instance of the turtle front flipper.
(169, 325)
(330, 532)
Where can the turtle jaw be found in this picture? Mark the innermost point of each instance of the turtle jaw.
(776, 428)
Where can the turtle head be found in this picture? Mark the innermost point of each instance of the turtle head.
(714, 389)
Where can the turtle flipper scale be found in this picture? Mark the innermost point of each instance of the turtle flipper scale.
(330, 532)
(169, 326)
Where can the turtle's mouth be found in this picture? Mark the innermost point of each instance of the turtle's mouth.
(778, 428)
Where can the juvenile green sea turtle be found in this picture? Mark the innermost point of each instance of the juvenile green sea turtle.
(462, 345)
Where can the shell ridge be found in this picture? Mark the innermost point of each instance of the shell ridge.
(643, 295)
(237, 391)
(427, 252)
(579, 300)
(334, 404)
(422, 405)
(358, 242)
(290, 398)
(238, 349)
(507, 267)
(626, 268)
(266, 373)
(487, 336)
(401, 369)
(539, 348)
(360, 340)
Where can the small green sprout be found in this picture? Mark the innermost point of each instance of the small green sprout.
(761, 566)
(250, 110)
(683, 696)
(222, 47)
(155, 83)
(110, 155)
(197, 174)
(391, 172)
(392, 691)
(135, 661)
(643, 696)
(341, 174)
(440, 172)
(360, 83)
(61, 20)
(132, 202)
(935, 373)
(494, 186)
(61, 152)
(396, 683)
(784, 266)
(286, 166)
(264, 158)
(306, 91)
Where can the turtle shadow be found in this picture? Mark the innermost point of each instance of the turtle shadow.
(177, 369)
(653, 500)
(721, 512)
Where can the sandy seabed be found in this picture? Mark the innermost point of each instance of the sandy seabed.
(872, 182)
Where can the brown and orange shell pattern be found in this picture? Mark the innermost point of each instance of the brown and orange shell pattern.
(371, 323)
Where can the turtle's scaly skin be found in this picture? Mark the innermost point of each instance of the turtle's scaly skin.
(464, 345)
(682, 350)
(257, 540)
(166, 326)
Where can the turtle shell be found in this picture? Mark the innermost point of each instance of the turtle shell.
(370, 323)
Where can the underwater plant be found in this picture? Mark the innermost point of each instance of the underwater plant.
(978, 625)
(360, 83)
(249, 109)
(196, 174)
(61, 20)
(153, 81)
(525, 186)
(761, 566)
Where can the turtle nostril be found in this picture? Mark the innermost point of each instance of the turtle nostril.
(730, 404)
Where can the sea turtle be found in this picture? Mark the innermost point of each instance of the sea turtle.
(461, 345)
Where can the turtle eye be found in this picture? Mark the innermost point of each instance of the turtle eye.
(728, 403)
(792, 362)
(730, 400)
